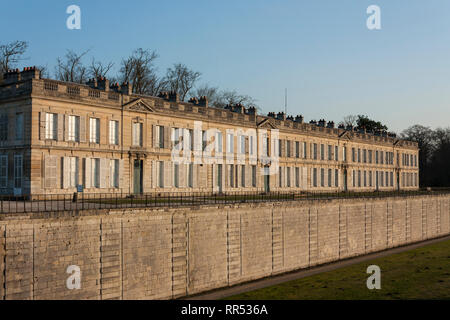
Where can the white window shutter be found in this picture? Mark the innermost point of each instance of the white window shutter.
(87, 172)
(82, 129)
(104, 182)
(66, 170)
(60, 127)
(42, 125)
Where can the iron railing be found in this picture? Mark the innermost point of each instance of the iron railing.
(88, 201)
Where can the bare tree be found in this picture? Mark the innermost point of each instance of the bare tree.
(350, 120)
(181, 79)
(98, 68)
(232, 98)
(139, 69)
(11, 54)
(212, 93)
(71, 68)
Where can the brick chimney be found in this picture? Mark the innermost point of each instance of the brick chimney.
(11, 76)
(239, 108)
(30, 73)
(330, 124)
(164, 95)
(102, 83)
(92, 83)
(126, 88)
(299, 119)
(173, 96)
(203, 101)
(281, 116)
(251, 110)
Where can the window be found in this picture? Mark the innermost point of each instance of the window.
(94, 130)
(336, 153)
(19, 126)
(370, 179)
(365, 178)
(219, 146)
(51, 126)
(3, 171)
(280, 175)
(288, 148)
(297, 177)
(190, 139)
(176, 175)
(243, 176)
(322, 177)
(359, 155)
(230, 143)
(190, 175)
(73, 133)
(322, 152)
(288, 177)
(160, 137)
(231, 174)
(315, 177)
(161, 174)
(381, 179)
(365, 156)
(297, 149)
(344, 154)
(114, 172)
(359, 178)
(253, 176)
(387, 179)
(73, 171)
(95, 173)
(353, 155)
(304, 150)
(392, 179)
(114, 132)
(137, 134)
(3, 127)
(204, 140)
(280, 148)
(18, 167)
(336, 178)
(370, 156)
(381, 157)
(330, 153)
(315, 151)
(376, 157)
(330, 178)
(354, 178)
(242, 144)
(251, 147)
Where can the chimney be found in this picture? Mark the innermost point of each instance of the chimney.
(281, 116)
(203, 101)
(163, 95)
(330, 124)
(193, 100)
(102, 83)
(271, 114)
(251, 110)
(239, 108)
(173, 96)
(126, 88)
(115, 87)
(299, 119)
(30, 73)
(290, 118)
(314, 122)
(92, 83)
(322, 123)
(11, 76)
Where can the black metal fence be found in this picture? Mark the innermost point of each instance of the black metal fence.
(85, 201)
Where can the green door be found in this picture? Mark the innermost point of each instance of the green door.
(137, 176)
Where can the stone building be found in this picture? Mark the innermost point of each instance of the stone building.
(57, 137)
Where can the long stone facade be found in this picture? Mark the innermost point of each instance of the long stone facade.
(57, 137)
(165, 254)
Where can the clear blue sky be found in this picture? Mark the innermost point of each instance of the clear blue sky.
(320, 50)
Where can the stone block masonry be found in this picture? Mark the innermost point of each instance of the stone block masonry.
(171, 253)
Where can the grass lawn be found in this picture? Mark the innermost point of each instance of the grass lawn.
(422, 273)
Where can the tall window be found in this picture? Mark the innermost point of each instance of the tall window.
(315, 177)
(336, 153)
(160, 136)
(95, 173)
(297, 149)
(344, 153)
(251, 141)
(315, 151)
(253, 176)
(114, 173)
(3, 127)
(74, 128)
(370, 156)
(288, 148)
(322, 177)
(330, 178)
(336, 178)
(288, 177)
(94, 130)
(219, 142)
(322, 152)
(51, 126)
(242, 144)
(18, 169)
(176, 175)
(304, 150)
(204, 140)
(297, 177)
(280, 175)
(353, 155)
(161, 174)
(190, 175)
(231, 174)
(230, 143)
(243, 176)
(280, 148)
(137, 134)
(3, 171)
(73, 171)
(330, 153)
(19, 126)
(114, 132)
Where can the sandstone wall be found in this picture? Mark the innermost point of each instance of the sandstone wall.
(170, 253)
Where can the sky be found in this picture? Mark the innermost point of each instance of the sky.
(321, 51)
